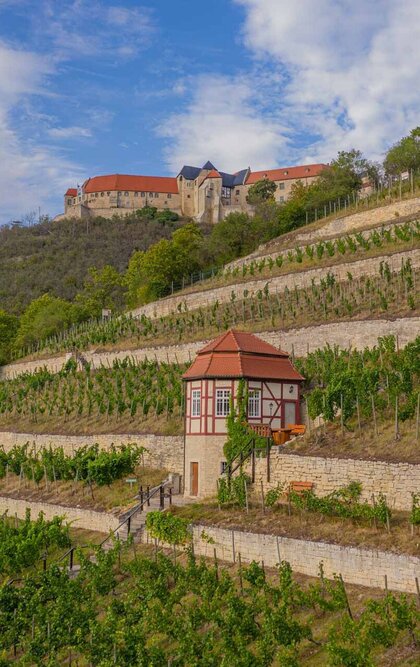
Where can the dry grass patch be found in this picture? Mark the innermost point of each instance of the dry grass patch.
(330, 442)
(307, 526)
(93, 424)
(77, 494)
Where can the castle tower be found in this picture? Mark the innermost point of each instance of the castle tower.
(212, 381)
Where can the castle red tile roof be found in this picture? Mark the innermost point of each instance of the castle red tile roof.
(71, 192)
(121, 182)
(236, 354)
(286, 173)
(213, 174)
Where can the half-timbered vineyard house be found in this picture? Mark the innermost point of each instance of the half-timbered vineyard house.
(212, 381)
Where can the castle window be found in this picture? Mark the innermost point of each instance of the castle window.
(281, 186)
(126, 194)
(108, 193)
(74, 200)
(254, 403)
(237, 192)
(102, 194)
(96, 194)
(151, 194)
(281, 200)
(156, 194)
(188, 196)
(196, 403)
(169, 195)
(69, 202)
(143, 194)
(136, 194)
(285, 173)
(223, 467)
(222, 402)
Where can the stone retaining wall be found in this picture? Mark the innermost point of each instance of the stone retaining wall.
(162, 451)
(357, 333)
(299, 279)
(396, 480)
(357, 566)
(103, 522)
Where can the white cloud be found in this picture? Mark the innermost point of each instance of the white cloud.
(326, 76)
(29, 174)
(222, 124)
(353, 67)
(72, 132)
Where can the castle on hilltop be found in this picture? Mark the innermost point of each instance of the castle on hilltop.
(202, 193)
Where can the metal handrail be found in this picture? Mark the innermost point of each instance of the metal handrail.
(137, 508)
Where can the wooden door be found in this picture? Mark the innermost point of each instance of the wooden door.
(194, 479)
(289, 413)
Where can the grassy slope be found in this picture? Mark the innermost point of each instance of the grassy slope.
(330, 442)
(55, 256)
(306, 526)
(76, 494)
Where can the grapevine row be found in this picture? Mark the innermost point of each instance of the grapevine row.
(159, 612)
(323, 301)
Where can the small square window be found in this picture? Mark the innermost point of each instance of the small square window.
(169, 195)
(285, 173)
(281, 199)
(136, 194)
(108, 193)
(102, 194)
(281, 186)
(237, 192)
(69, 202)
(143, 194)
(126, 194)
(96, 194)
(223, 467)
(156, 194)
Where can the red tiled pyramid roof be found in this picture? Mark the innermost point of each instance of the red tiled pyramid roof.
(238, 354)
(71, 192)
(286, 173)
(119, 182)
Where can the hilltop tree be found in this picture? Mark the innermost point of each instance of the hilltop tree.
(262, 190)
(45, 317)
(103, 288)
(404, 155)
(150, 274)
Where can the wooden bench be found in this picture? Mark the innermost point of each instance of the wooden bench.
(300, 487)
(296, 429)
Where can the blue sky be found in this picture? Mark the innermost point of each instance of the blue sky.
(96, 86)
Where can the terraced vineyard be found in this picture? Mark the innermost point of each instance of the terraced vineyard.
(148, 395)
(368, 388)
(326, 300)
